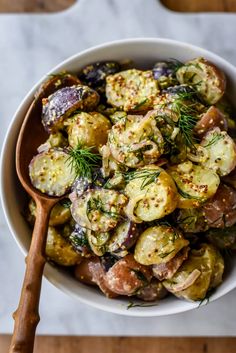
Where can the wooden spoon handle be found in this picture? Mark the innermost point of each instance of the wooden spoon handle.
(27, 315)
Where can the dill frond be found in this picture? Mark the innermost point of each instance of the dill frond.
(82, 160)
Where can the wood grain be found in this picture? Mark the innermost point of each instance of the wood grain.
(200, 5)
(71, 344)
(60, 5)
(35, 5)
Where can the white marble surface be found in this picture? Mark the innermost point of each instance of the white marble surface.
(30, 45)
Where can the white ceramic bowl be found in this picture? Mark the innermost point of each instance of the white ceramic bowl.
(144, 52)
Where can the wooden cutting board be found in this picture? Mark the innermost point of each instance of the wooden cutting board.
(175, 5)
(67, 344)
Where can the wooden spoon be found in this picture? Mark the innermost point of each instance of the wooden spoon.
(31, 135)
(26, 316)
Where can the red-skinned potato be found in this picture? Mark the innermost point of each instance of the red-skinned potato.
(90, 271)
(213, 117)
(168, 269)
(208, 80)
(55, 82)
(62, 103)
(124, 237)
(153, 291)
(220, 211)
(126, 276)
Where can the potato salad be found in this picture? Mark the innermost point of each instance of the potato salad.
(143, 163)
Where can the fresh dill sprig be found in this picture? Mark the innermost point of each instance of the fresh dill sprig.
(185, 106)
(82, 160)
(215, 138)
(142, 305)
(97, 204)
(139, 274)
(78, 241)
(148, 175)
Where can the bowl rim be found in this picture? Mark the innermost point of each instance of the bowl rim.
(25, 102)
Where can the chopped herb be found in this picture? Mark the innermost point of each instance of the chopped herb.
(79, 241)
(206, 300)
(142, 305)
(65, 203)
(140, 275)
(149, 176)
(83, 161)
(140, 104)
(215, 138)
(186, 195)
(162, 256)
(97, 204)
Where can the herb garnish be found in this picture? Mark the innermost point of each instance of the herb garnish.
(83, 161)
(139, 274)
(141, 103)
(142, 305)
(185, 195)
(97, 204)
(206, 300)
(215, 138)
(148, 175)
(66, 203)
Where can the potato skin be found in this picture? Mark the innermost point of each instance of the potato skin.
(209, 81)
(153, 201)
(59, 105)
(168, 269)
(212, 118)
(210, 265)
(88, 129)
(59, 250)
(220, 211)
(55, 82)
(131, 90)
(126, 276)
(153, 291)
(159, 244)
(192, 220)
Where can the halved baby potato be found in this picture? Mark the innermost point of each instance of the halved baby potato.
(131, 90)
(159, 244)
(152, 194)
(88, 129)
(207, 79)
(50, 173)
(98, 210)
(212, 118)
(221, 150)
(201, 272)
(59, 250)
(61, 104)
(195, 184)
(59, 214)
(136, 141)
